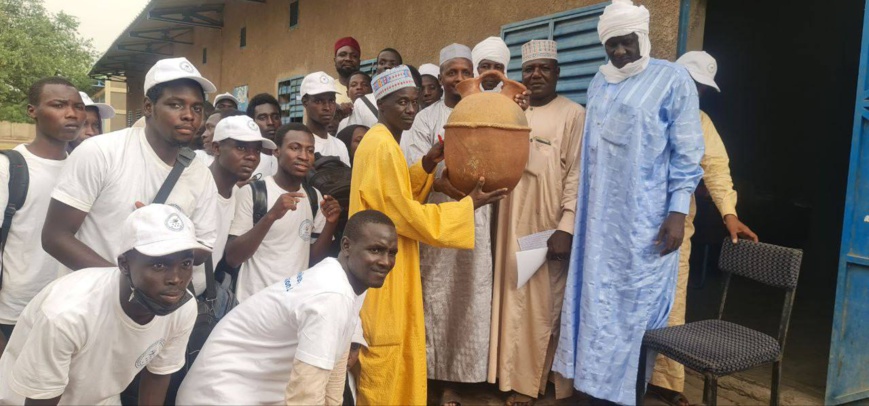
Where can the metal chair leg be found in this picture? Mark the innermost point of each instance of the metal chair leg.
(710, 389)
(774, 395)
(641, 376)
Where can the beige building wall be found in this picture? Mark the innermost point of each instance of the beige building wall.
(418, 29)
(114, 94)
(12, 134)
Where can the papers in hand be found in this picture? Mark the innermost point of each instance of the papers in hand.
(531, 255)
(536, 240)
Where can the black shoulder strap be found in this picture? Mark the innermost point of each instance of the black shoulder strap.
(210, 288)
(260, 200)
(312, 197)
(19, 182)
(370, 105)
(183, 160)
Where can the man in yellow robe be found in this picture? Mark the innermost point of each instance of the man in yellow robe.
(392, 369)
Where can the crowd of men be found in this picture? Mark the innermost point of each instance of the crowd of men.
(117, 248)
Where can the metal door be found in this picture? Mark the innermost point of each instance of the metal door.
(848, 370)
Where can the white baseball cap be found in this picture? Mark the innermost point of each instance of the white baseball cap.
(169, 69)
(240, 128)
(701, 66)
(105, 110)
(225, 96)
(316, 83)
(159, 229)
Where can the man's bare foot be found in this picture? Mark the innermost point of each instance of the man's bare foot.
(518, 399)
(450, 397)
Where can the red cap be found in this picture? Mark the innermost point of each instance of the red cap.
(347, 41)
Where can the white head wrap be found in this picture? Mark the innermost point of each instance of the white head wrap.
(620, 18)
(493, 49)
(453, 51)
(391, 80)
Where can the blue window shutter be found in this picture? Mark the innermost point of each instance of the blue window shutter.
(580, 52)
(368, 66)
(288, 97)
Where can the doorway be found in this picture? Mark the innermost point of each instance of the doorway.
(788, 76)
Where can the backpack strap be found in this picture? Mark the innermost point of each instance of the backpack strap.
(370, 105)
(19, 182)
(312, 197)
(260, 199)
(184, 159)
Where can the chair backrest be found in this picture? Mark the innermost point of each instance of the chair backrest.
(766, 263)
(769, 264)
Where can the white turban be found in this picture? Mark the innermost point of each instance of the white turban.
(620, 18)
(493, 49)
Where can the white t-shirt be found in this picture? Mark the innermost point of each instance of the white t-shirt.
(286, 248)
(74, 339)
(362, 114)
(225, 213)
(206, 159)
(331, 146)
(249, 356)
(268, 166)
(107, 175)
(27, 268)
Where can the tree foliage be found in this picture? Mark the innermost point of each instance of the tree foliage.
(34, 44)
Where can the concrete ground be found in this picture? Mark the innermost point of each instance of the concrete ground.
(733, 390)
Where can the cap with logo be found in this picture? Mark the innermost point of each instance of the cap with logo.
(167, 70)
(157, 230)
(225, 96)
(701, 66)
(241, 128)
(317, 83)
(105, 110)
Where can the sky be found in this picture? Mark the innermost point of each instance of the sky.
(100, 20)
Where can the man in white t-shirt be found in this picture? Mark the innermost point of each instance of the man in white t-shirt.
(318, 98)
(225, 101)
(284, 241)
(59, 112)
(266, 112)
(105, 177)
(206, 154)
(288, 343)
(84, 337)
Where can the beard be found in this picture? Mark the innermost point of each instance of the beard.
(345, 72)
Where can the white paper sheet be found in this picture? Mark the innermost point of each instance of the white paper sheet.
(528, 262)
(534, 241)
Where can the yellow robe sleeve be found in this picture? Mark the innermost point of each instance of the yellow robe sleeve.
(716, 169)
(389, 186)
(421, 182)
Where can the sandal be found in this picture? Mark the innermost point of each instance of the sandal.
(450, 397)
(668, 396)
(518, 399)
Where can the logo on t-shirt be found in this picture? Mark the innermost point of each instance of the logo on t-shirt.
(150, 353)
(174, 223)
(288, 283)
(305, 230)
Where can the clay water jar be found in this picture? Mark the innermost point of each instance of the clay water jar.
(486, 136)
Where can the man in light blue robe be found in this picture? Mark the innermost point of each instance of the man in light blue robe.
(640, 164)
